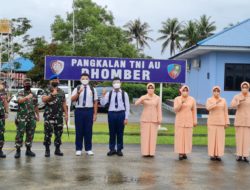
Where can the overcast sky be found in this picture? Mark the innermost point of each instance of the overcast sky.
(42, 13)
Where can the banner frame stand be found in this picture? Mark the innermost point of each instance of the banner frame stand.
(160, 128)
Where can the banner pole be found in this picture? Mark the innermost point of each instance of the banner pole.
(160, 127)
(69, 101)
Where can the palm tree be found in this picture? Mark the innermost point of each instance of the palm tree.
(139, 32)
(189, 34)
(205, 27)
(171, 30)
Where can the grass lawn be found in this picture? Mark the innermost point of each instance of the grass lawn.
(131, 136)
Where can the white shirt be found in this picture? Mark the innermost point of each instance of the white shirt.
(105, 99)
(89, 97)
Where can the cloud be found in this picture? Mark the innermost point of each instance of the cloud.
(42, 13)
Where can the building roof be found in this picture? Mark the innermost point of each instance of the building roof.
(24, 65)
(235, 38)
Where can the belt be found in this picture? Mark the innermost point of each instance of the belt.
(117, 111)
(87, 108)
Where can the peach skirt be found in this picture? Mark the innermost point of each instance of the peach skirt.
(216, 140)
(242, 135)
(183, 140)
(149, 133)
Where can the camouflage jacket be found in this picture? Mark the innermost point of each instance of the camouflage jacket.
(54, 108)
(27, 108)
(3, 96)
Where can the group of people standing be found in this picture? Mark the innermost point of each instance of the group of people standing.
(28, 114)
(117, 102)
(218, 121)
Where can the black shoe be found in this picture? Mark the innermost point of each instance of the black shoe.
(218, 159)
(47, 151)
(2, 155)
(246, 160)
(181, 157)
(29, 153)
(111, 153)
(119, 153)
(58, 151)
(239, 158)
(18, 153)
(212, 158)
(184, 156)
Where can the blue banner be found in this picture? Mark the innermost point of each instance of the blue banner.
(105, 69)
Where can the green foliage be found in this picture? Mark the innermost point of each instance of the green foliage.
(18, 40)
(168, 92)
(171, 30)
(135, 90)
(40, 49)
(138, 31)
(174, 32)
(106, 41)
(95, 33)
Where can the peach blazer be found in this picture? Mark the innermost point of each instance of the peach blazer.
(242, 116)
(152, 111)
(186, 113)
(218, 113)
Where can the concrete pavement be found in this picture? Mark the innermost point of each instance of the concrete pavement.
(132, 171)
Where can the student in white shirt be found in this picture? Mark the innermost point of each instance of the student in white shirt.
(86, 98)
(117, 101)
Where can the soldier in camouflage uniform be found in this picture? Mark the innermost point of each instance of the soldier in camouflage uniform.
(3, 115)
(27, 115)
(55, 105)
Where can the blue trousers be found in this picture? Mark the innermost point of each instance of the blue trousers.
(116, 129)
(83, 128)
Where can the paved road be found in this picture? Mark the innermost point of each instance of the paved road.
(168, 117)
(129, 172)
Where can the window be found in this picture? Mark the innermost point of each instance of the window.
(235, 74)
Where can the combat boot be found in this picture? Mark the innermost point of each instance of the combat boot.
(47, 151)
(2, 155)
(18, 153)
(58, 151)
(29, 152)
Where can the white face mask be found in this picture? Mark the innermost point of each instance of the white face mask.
(184, 94)
(150, 91)
(244, 90)
(117, 85)
(216, 94)
(85, 82)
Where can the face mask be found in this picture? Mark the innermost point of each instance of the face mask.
(117, 85)
(150, 91)
(216, 94)
(85, 82)
(27, 87)
(54, 84)
(184, 94)
(244, 90)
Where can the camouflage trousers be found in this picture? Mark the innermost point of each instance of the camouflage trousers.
(2, 129)
(51, 125)
(28, 126)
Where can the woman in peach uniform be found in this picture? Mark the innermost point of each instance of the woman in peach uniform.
(242, 122)
(217, 121)
(151, 117)
(186, 119)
